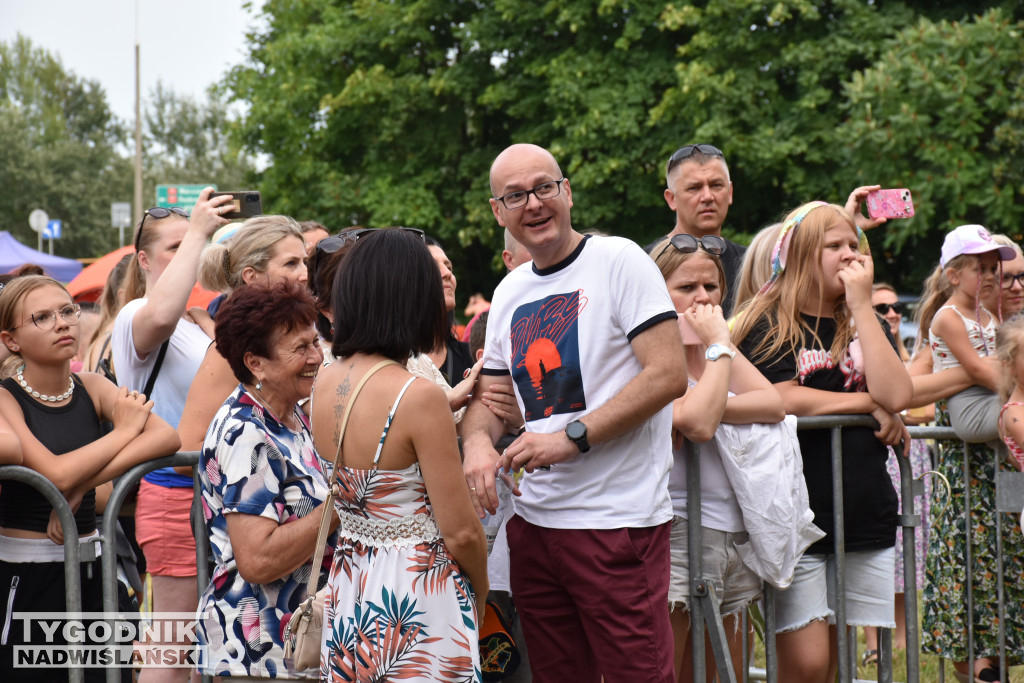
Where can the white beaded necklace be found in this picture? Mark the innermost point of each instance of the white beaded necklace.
(44, 397)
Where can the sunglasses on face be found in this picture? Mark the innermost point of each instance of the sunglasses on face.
(332, 244)
(882, 309)
(687, 151)
(687, 244)
(158, 212)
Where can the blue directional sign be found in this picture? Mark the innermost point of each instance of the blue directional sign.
(52, 230)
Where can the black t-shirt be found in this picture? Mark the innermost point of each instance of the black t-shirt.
(456, 362)
(869, 498)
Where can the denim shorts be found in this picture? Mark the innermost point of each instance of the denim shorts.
(870, 597)
(736, 586)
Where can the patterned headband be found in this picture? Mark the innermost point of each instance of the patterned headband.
(781, 249)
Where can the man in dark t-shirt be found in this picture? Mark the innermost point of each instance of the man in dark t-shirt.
(699, 191)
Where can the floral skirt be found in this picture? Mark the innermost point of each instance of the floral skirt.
(944, 624)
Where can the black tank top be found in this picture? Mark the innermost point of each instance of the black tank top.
(61, 429)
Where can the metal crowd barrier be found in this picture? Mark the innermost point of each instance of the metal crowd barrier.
(122, 488)
(704, 611)
(73, 552)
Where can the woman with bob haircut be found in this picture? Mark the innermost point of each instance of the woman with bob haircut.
(411, 558)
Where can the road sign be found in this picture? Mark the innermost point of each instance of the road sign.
(179, 195)
(53, 230)
(38, 220)
(120, 214)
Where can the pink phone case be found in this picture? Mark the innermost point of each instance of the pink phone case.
(890, 204)
(690, 337)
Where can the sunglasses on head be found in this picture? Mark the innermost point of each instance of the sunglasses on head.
(332, 244)
(687, 151)
(158, 212)
(882, 309)
(687, 244)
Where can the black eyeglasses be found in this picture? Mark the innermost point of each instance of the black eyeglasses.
(519, 198)
(332, 244)
(1010, 278)
(158, 212)
(713, 244)
(882, 309)
(687, 151)
(45, 320)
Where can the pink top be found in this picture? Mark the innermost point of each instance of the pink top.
(1015, 449)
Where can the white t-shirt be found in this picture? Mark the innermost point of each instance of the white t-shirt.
(564, 335)
(184, 354)
(719, 509)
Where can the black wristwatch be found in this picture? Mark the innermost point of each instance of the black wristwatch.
(577, 433)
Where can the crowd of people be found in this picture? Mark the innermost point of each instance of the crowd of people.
(327, 391)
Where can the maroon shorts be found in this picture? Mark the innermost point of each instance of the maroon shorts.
(594, 602)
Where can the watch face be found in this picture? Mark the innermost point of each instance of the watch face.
(576, 430)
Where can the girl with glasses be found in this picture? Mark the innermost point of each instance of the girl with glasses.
(155, 337)
(56, 417)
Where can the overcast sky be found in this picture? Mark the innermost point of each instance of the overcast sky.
(187, 44)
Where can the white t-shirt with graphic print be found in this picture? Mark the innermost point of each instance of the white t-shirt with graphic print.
(564, 335)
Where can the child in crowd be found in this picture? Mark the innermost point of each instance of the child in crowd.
(1011, 418)
(963, 331)
(811, 331)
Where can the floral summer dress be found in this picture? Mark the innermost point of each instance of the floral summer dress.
(398, 606)
(944, 619)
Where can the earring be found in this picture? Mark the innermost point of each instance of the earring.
(259, 385)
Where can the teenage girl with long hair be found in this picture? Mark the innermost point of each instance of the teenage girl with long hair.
(56, 416)
(811, 331)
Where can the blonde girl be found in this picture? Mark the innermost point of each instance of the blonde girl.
(55, 415)
(811, 331)
(962, 331)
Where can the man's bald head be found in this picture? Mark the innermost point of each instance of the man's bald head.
(515, 156)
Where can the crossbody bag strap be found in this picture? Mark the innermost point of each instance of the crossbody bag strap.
(321, 536)
(151, 382)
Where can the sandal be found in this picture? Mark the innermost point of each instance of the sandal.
(869, 657)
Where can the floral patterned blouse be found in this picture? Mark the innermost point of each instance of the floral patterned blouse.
(253, 464)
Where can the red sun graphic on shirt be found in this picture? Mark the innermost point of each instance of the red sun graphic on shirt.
(541, 358)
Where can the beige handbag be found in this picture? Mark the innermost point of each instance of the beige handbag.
(304, 634)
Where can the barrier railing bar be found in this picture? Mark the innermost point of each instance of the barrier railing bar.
(72, 550)
(910, 520)
(846, 670)
(109, 558)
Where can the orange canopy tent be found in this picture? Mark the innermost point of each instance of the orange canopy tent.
(88, 285)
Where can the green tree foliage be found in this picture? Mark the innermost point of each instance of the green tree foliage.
(59, 151)
(188, 141)
(942, 112)
(386, 113)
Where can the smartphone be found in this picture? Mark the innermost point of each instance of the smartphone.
(690, 336)
(245, 204)
(890, 204)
